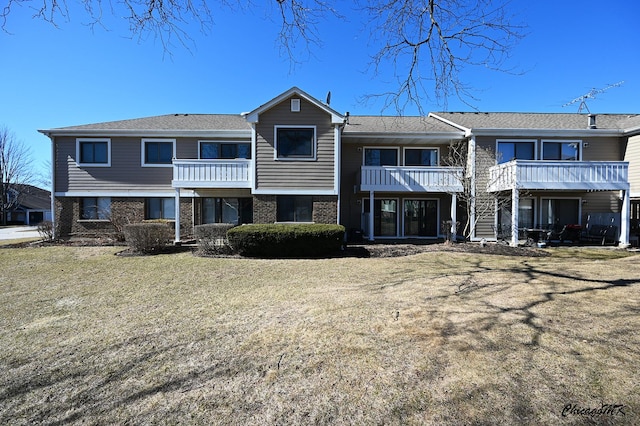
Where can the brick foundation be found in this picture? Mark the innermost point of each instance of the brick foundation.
(264, 208)
(325, 209)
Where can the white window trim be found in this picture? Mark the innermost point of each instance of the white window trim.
(275, 143)
(438, 231)
(437, 149)
(142, 152)
(81, 140)
(200, 142)
(399, 160)
(535, 147)
(576, 141)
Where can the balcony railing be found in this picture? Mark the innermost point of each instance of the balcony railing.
(567, 175)
(411, 179)
(211, 174)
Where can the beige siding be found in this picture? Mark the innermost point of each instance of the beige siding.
(632, 155)
(305, 175)
(125, 173)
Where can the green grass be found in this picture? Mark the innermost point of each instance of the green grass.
(435, 338)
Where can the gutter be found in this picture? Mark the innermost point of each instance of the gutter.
(146, 133)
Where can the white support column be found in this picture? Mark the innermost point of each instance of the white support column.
(371, 215)
(177, 220)
(625, 215)
(454, 216)
(514, 217)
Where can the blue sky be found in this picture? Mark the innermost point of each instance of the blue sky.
(72, 74)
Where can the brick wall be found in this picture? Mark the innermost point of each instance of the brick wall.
(264, 208)
(325, 209)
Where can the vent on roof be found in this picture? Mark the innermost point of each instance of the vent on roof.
(592, 121)
(295, 105)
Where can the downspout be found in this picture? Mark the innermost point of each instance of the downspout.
(53, 185)
(472, 195)
(338, 165)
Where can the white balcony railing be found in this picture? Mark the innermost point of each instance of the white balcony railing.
(211, 174)
(411, 179)
(561, 175)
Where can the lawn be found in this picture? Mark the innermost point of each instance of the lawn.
(434, 338)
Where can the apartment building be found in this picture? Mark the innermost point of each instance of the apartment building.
(295, 159)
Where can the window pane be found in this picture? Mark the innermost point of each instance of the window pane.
(559, 212)
(209, 210)
(100, 152)
(86, 152)
(524, 150)
(295, 143)
(158, 152)
(168, 208)
(570, 151)
(296, 208)
(228, 150)
(380, 157)
(230, 210)
(209, 150)
(551, 151)
(89, 208)
(104, 208)
(154, 208)
(421, 157)
(506, 152)
(244, 150)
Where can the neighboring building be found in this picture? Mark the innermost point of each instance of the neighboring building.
(295, 159)
(33, 205)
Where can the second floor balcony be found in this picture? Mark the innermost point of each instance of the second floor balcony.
(559, 175)
(411, 179)
(212, 174)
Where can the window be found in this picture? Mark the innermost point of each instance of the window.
(561, 150)
(158, 152)
(227, 210)
(93, 152)
(160, 208)
(421, 218)
(380, 157)
(385, 217)
(95, 208)
(224, 150)
(295, 143)
(526, 217)
(421, 157)
(294, 208)
(516, 150)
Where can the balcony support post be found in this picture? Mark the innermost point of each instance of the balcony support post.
(515, 199)
(371, 204)
(454, 216)
(625, 214)
(177, 213)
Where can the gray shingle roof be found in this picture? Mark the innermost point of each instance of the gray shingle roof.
(518, 120)
(394, 124)
(171, 122)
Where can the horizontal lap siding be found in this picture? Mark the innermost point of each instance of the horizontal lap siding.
(125, 173)
(632, 155)
(305, 175)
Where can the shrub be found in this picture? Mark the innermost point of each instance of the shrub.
(286, 240)
(148, 237)
(46, 230)
(212, 238)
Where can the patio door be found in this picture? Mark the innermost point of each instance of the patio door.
(420, 218)
(557, 212)
(385, 217)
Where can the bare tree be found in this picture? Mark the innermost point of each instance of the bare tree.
(427, 43)
(475, 179)
(15, 172)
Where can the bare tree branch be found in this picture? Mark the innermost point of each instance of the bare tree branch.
(15, 172)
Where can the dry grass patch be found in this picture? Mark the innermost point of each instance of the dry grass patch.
(434, 338)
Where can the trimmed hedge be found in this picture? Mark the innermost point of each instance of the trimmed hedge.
(148, 237)
(212, 238)
(286, 240)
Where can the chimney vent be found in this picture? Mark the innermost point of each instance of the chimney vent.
(592, 121)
